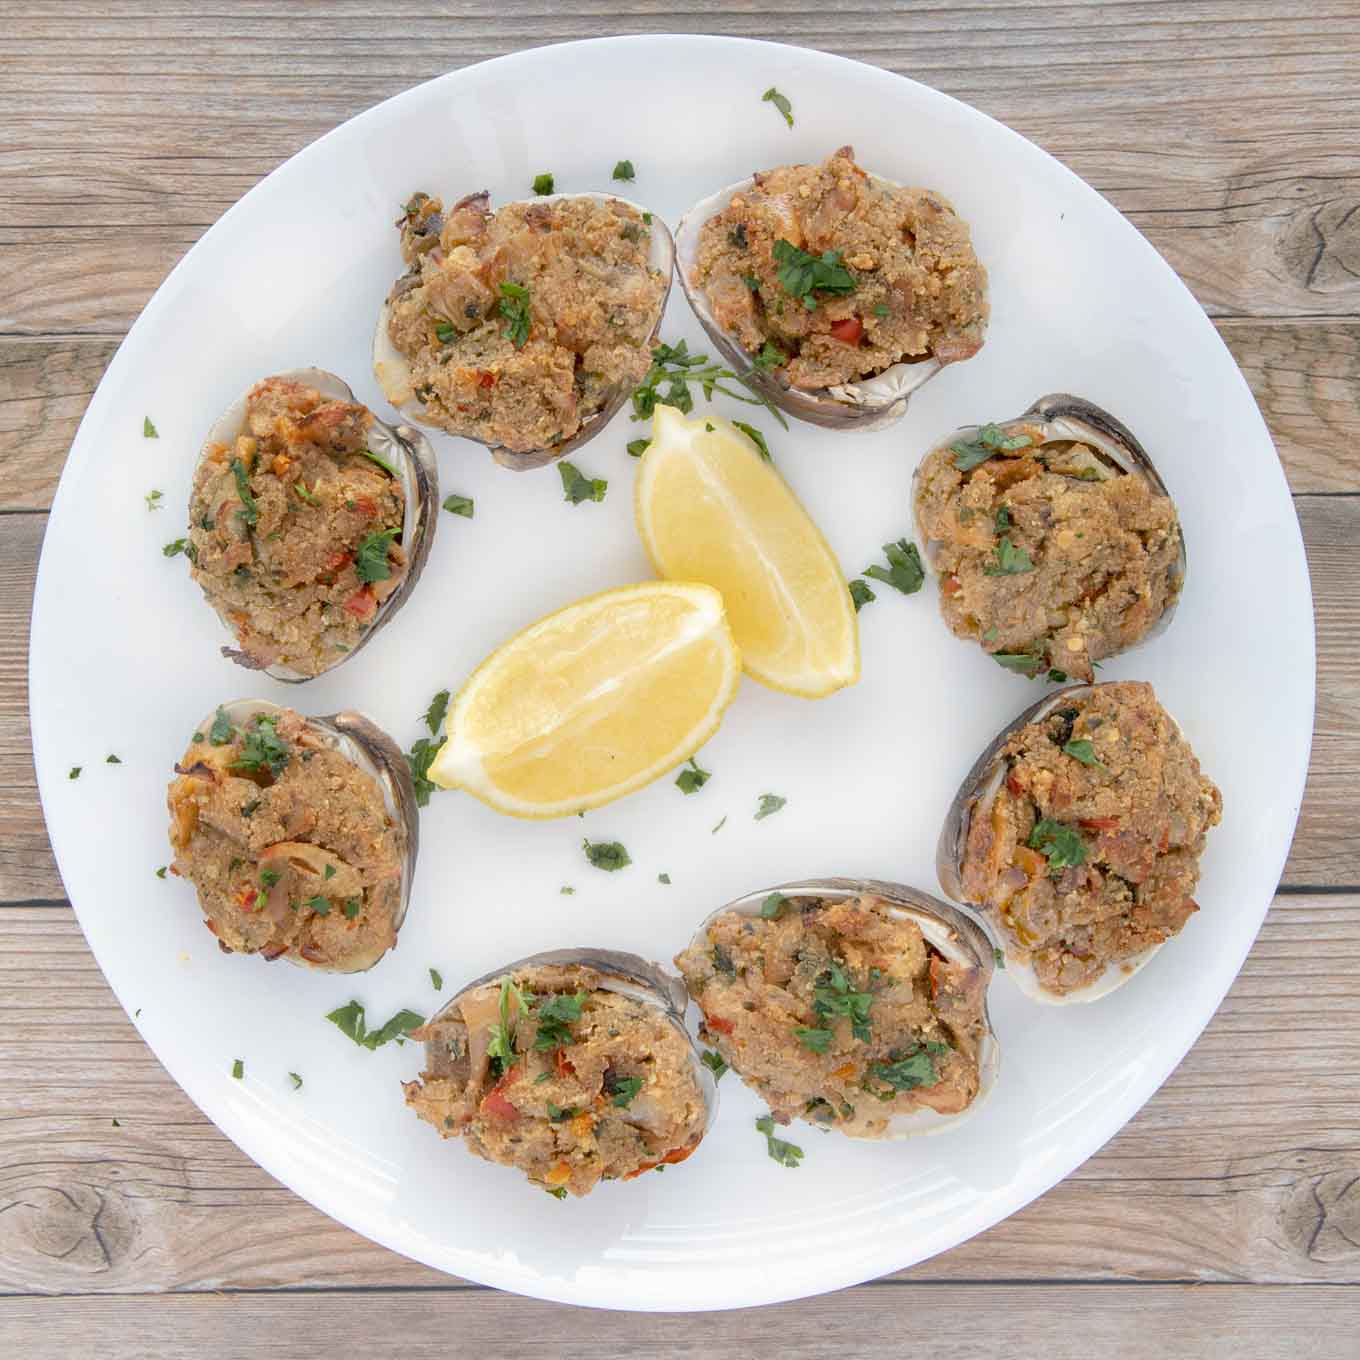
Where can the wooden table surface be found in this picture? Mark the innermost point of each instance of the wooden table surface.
(1225, 1218)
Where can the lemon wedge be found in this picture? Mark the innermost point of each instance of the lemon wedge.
(710, 508)
(592, 702)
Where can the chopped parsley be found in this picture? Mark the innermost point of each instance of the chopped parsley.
(249, 513)
(715, 1062)
(623, 1089)
(113, 760)
(382, 463)
(719, 827)
(907, 1069)
(675, 366)
(772, 908)
(543, 184)
(577, 487)
(770, 803)
(772, 96)
(556, 1015)
(1083, 751)
(459, 505)
(370, 558)
(238, 1069)
(755, 436)
(691, 780)
(329, 872)
(990, 440)
(722, 961)
(664, 878)
(501, 1045)
(318, 904)
(769, 356)
(860, 594)
(296, 1080)
(607, 855)
(514, 307)
(1022, 663)
(557, 1114)
(1062, 844)
(801, 274)
(444, 332)
(624, 171)
(999, 957)
(351, 908)
(269, 877)
(434, 715)
(75, 772)
(420, 757)
(1010, 560)
(180, 545)
(262, 747)
(221, 731)
(814, 1040)
(153, 500)
(904, 571)
(556, 1191)
(349, 1020)
(304, 494)
(785, 1153)
(880, 309)
(835, 997)
(637, 447)
(160, 873)
(148, 429)
(567, 890)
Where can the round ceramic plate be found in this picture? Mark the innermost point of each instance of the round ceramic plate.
(125, 660)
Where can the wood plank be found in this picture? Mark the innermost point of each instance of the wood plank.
(1243, 1167)
(1305, 376)
(961, 1322)
(1326, 851)
(123, 136)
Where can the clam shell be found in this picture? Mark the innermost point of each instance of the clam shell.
(399, 446)
(1065, 417)
(627, 974)
(950, 930)
(393, 372)
(872, 403)
(365, 745)
(975, 794)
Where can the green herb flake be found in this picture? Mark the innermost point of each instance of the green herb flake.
(607, 855)
(436, 979)
(180, 545)
(1010, 560)
(543, 184)
(556, 1015)
(904, 571)
(990, 440)
(262, 747)
(238, 1069)
(576, 487)
(75, 772)
(623, 1089)
(677, 368)
(567, 890)
(770, 356)
(116, 1124)
(351, 908)
(514, 307)
(370, 558)
(445, 333)
(624, 171)
(999, 957)
(251, 808)
(755, 436)
(160, 873)
(112, 760)
(434, 714)
(153, 500)
(814, 1040)
(420, 757)
(801, 275)
(328, 872)
(637, 447)
(295, 1080)
(719, 827)
(148, 429)
(249, 513)
(860, 594)
(1083, 751)
(751, 282)
(269, 877)
(836, 997)
(1022, 663)
(320, 905)
(991, 635)
(880, 309)
(664, 878)
(305, 495)
(222, 730)
(772, 908)
(691, 780)
(715, 1062)
(772, 96)
(1062, 844)
(770, 803)
(907, 1070)
(459, 505)
(349, 1020)
(785, 1153)
(381, 462)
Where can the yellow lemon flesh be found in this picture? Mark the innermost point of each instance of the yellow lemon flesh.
(593, 701)
(710, 508)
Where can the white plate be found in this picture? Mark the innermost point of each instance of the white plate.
(124, 660)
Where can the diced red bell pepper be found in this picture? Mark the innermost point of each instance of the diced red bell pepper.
(849, 331)
(716, 1022)
(362, 604)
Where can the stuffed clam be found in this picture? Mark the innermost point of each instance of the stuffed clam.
(833, 292)
(309, 522)
(1078, 833)
(523, 328)
(855, 1005)
(572, 1066)
(299, 834)
(1055, 540)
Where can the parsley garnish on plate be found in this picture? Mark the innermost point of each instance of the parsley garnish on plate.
(664, 878)
(113, 760)
(1084, 751)
(566, 890)
(1062, 844)
(238, 1069)
(637, 447)
(755, 436)
(772, 96)
(434, 715)
(160, 873)
(296, 1080)
(990, 440)
(802, 274)
(624, 171)
(770, 803)
(370, 558)
(514, 307)
(904, 571)
(148, 429)
(675, 366)
(607, 855)
(543, 184)
(785, 1153)
(860, 594)
(556, 1015)
(153, 499)
(577, 487)
(75, 772)
(420, 757)
(349, 1020)
(459, 505)
(180, 545)
(691, 780)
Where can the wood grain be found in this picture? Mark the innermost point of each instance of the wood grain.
(1225, 129)
(1305, 377)
(960, 1322)
(1244, 1166)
